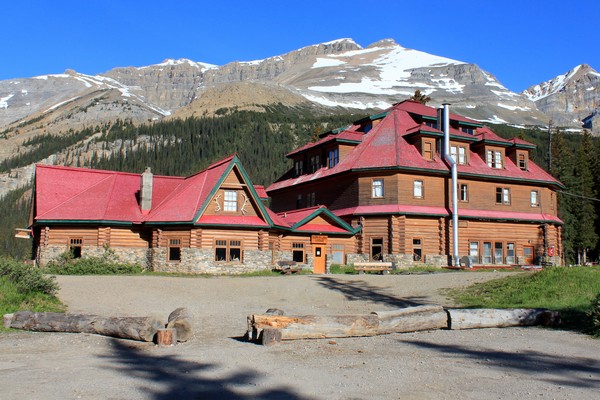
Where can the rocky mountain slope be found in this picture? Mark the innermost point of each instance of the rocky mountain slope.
(570, 98)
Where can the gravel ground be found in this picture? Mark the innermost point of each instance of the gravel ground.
(509, 363)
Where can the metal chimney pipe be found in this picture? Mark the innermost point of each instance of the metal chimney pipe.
(452, 162)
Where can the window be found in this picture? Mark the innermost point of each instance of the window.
(522, 159)
(463, 192)
(534, 198)
(418, 189)
(428, 150)
(377, 188)
(228, 250)
(298, 167)
(311, 199)
(487, 253)
(510, 253)
(459, 154)
(333, 157)
(417, 250)
(298, 252)
(494, 159)
(432, 124)
(230, 202)
(464, 129)
(474, 252)
(174, 251)
(338, 254)
(502, 196)
(75, 245)
(299, 201)
(498, 253)
(376, 249)
(314, 163)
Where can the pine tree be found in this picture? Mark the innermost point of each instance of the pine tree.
(420, 97)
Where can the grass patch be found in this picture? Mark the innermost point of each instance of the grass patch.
(569, 290)
(422, 270)
(342, 269)
(105, 265)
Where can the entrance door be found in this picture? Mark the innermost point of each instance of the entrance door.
(528, 255)
(319, 260)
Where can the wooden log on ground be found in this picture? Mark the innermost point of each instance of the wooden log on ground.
(136, 328)
(499, 318)
(334, 326)
(270, 337)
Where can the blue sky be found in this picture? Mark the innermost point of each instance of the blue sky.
(521, 42)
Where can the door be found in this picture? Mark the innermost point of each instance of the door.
(319, 267)
(528, 255)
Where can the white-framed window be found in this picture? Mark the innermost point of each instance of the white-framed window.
(230, 201)
(494, 159)
(377, 188)
(418, 189)
(463, 192)
(298, 252)
(459, 154)
(522, 159)
(534, 198)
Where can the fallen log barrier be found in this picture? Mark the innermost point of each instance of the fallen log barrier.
(178, 328)
(500, 318)
(271, 328)
(336, 326)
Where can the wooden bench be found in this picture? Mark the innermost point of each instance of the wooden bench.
(379, 267)
(287, 267)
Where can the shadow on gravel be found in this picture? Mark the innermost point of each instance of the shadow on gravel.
(579, 372)
(362, 291)
(163, 377)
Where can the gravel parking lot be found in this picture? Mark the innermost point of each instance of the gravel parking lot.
(509, 363)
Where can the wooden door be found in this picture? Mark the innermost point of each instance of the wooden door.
(319, 257)
(528, 255)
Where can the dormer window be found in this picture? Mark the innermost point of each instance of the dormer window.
(494, 159)
(432, 124)
(298, 167)
(522, 161)
(459, 153)
(314, 163)
(465, 129)
(333, 157)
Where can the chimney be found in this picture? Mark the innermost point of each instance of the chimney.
(146, 190)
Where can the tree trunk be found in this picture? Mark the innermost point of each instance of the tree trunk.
(495, 318)
(332, 326)
(136, 328)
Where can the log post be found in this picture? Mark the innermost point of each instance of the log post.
(166, 337)
(495, 318)
(7, 318)
(270, 337)
(179, 320)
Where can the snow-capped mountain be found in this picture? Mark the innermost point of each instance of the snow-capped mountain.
(569, 98)
(340, 73)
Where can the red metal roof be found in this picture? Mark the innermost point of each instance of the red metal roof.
(509, 215)
(261, 192)
(392, 209)
(344, 135)
(78, 194)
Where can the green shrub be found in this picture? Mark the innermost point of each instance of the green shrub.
(27, 278)
(341, 269)
(105, 265)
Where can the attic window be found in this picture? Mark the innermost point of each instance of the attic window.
(465, 129)
(230, 202)
(333, 157)
(298, 167)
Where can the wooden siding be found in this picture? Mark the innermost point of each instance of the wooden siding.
(433, 190)
(233, 181)
(249, 238)
(124, 237)
(373, 228)
(425, 229)
(365, 190)
(62, 234)
(482, 196)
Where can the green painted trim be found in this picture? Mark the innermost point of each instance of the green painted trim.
(348, 141)
(378, 115)
(427, 117)
(235, 161)
(327, 212)
(233, 226)
(495, 143)
(475, 124)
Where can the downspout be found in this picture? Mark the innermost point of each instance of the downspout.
(449, 159)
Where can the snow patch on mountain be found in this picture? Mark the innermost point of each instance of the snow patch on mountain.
(327, 62)
(550, 87)
(4, 101)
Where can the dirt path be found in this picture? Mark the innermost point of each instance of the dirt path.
(491, 363)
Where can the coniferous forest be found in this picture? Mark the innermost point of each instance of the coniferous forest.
(262, 139)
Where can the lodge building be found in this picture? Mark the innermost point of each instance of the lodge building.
(378, 190)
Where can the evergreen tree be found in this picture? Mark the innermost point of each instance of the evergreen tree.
(420, 97)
